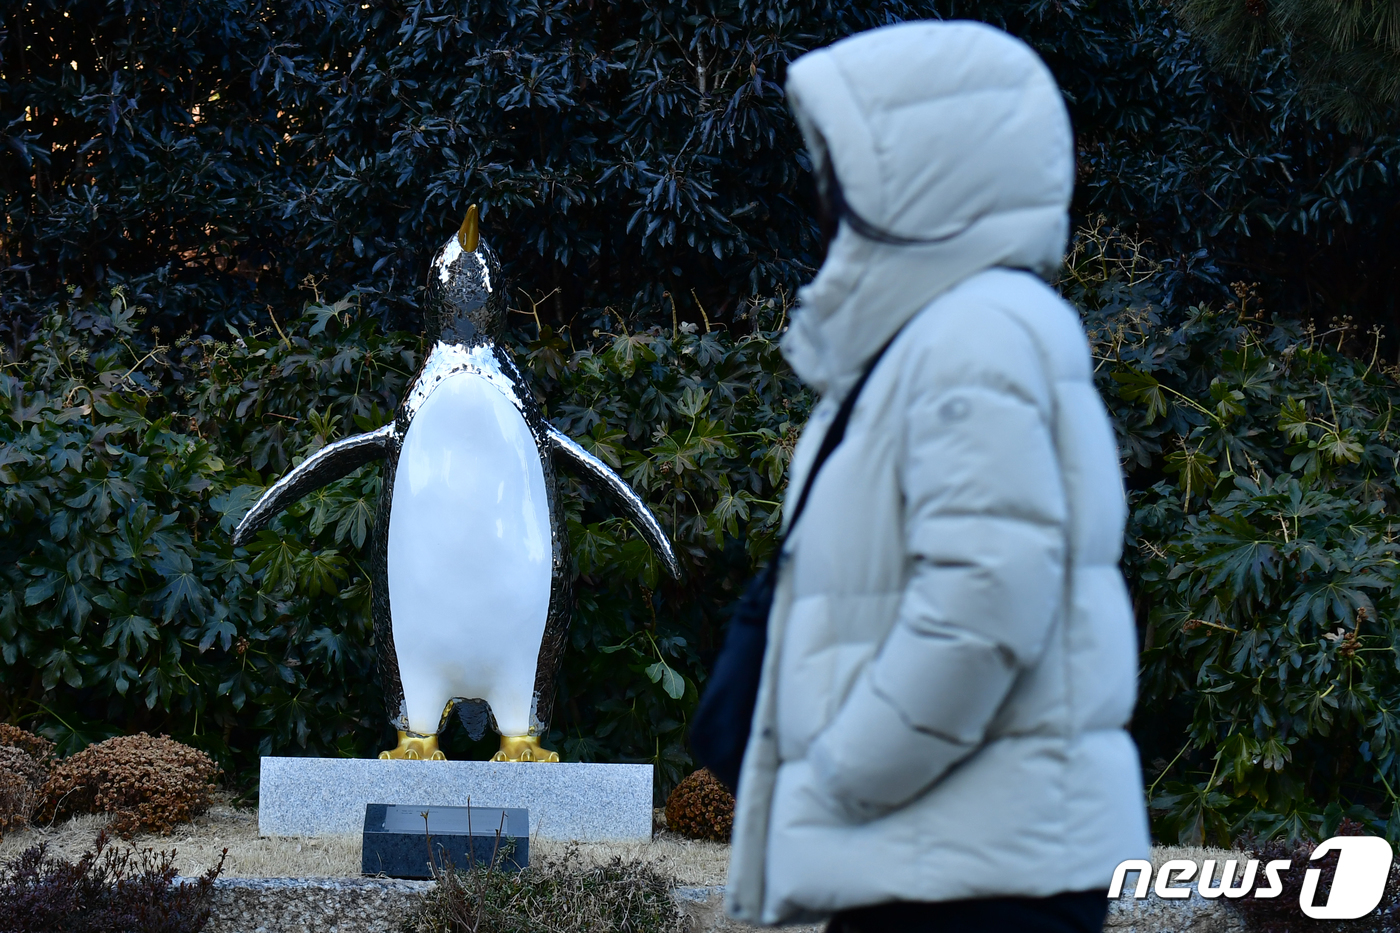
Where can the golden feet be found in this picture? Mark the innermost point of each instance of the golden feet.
(414, 747)
(523, 748)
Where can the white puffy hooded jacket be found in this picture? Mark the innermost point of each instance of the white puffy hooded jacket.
(951, 654)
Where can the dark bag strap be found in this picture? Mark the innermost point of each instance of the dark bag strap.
(720, 730)
(835, 433)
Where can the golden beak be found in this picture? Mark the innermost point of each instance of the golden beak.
(469, 236)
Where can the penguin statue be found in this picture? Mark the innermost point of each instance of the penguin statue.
(469, 564)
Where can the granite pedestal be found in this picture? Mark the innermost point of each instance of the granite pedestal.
(398, 839)
(566, 800)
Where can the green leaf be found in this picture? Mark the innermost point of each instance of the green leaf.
(693, 401)
(1195, 469)
(1293, 420)
(1137, 386)
(1340, 446)
(672, 682)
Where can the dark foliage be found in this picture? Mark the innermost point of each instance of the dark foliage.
(1347, 53)
(620, 150)
(1230, 179)
(623, 152)
(641, 178)
(124, 607)
(1260, 552)
(107, 889)
(1282, 914)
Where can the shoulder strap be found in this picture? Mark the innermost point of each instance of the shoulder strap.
(836, 432)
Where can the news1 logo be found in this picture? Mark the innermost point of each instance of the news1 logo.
(1363, 865)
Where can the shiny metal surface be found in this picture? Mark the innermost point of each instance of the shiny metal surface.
(448, 359)
(465, 300)
(326, 465)
(617, 490)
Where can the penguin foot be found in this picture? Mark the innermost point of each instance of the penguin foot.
(523, 748)
(415, 747)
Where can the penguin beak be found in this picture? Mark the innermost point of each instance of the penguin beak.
(469, 236)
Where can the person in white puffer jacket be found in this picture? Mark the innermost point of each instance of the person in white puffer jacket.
(939, 739)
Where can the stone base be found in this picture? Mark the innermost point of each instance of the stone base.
(568, 800)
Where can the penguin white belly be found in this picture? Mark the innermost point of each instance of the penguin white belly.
(469, 556)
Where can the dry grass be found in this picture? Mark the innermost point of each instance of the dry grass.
(691, 862)
(199, 843)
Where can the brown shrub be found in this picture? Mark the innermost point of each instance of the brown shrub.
(17, 761)
(701, 807)
(35, 746)
(16, 801)
(20, 779)
(147, 784)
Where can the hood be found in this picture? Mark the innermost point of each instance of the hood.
(954, 131)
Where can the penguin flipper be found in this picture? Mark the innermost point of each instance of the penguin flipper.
(326, 465)
(621, 495)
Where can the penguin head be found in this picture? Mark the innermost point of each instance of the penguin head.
(466, 299)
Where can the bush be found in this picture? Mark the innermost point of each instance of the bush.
(16, 791)
(146, 784)
(1345, 53)
(123, 599)
(24, 759)
(1257, 458)
(639, 173)
(106, 890)
(619, 151)
(1260, 551)
(1282, 914)
(35, 746)
(17, 761)
(701, 807)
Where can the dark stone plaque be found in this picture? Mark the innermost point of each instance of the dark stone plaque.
(397, 839)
